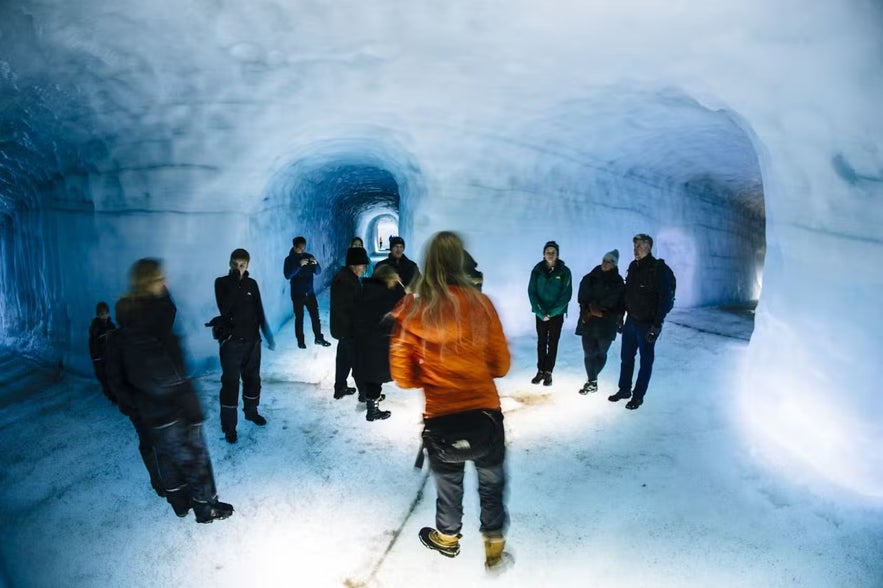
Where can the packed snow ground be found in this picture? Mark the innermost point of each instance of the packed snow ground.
(668, 495)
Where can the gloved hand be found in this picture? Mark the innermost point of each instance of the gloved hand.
(653, 333)
(619, 324)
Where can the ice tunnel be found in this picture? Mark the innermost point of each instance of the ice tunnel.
(183, 133)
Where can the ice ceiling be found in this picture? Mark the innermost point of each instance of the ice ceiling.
(745, 136)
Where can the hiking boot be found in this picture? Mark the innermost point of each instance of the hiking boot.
(621, 395)
(493, 551)
(253, 416)
(547, 379)
(634, 403)
(231, 436)
(320, 340)
(206, 512)
(374, 413)
(537, 378)
(348, 391)
(447, 545)
(301, 345)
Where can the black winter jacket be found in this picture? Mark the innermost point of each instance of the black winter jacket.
(240, 300)
(301, 276)
(98, 330)
(645, 292)
(148, 365)
(372, 330)
(604, 292)
(406, 269)
(344, 290)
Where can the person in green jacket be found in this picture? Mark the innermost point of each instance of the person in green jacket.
(550, 289)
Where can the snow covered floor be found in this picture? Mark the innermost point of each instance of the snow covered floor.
(664, 496)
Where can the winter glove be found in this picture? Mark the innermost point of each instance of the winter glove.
(653, 333)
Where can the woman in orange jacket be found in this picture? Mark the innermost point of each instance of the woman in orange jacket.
(449, 341)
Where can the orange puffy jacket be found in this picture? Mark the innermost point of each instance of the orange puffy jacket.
(455, 362)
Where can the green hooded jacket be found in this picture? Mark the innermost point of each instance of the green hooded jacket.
(550, 290)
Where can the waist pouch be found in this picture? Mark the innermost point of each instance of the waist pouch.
(463, 436)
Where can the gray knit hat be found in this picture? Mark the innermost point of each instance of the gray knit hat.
(612, 257)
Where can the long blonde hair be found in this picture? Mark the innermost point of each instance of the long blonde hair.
(142, 274)
(442, 268)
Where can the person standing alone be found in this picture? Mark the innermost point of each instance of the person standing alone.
(239, 300)
(299, 269)
(550, 289)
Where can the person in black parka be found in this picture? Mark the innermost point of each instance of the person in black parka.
(239, 301)
(345, 288)
(371, 335)
(100, 326)
(600, 300)
(406, 268)
(153, 365)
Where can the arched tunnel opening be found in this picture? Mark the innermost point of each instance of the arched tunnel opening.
(339, 201)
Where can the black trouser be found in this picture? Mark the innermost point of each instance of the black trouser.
(548, 333)
(308, 300)
(188, 475)
(491, 487)
(100, 368)
(239, 359)
(370, 390)
(147, 451)
(595, 354)
(343, 363)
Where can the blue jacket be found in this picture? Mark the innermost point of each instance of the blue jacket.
(301, 277)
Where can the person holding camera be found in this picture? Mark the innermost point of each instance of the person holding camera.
(239, 300)
(299, 269)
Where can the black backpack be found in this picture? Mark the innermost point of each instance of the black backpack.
(670, 285)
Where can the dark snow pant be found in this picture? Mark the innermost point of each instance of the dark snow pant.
(369, 390)
(634, 340)
(595, 354)
(239, 359)
(100, 368)
(188, 475)
(548, 333)
(343, 363)
(313, 308)
(148, 453)
(448, 478)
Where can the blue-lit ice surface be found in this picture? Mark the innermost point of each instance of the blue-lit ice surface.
(746, 138)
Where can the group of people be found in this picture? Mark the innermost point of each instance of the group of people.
(434, 331)
(635, 307)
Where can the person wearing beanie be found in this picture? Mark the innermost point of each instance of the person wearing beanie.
(299, 269)
(345, 288)
(404, 267)
(601, 305)
(550, 289)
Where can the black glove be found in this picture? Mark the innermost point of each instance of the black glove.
(653, 333)
(619, 324)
